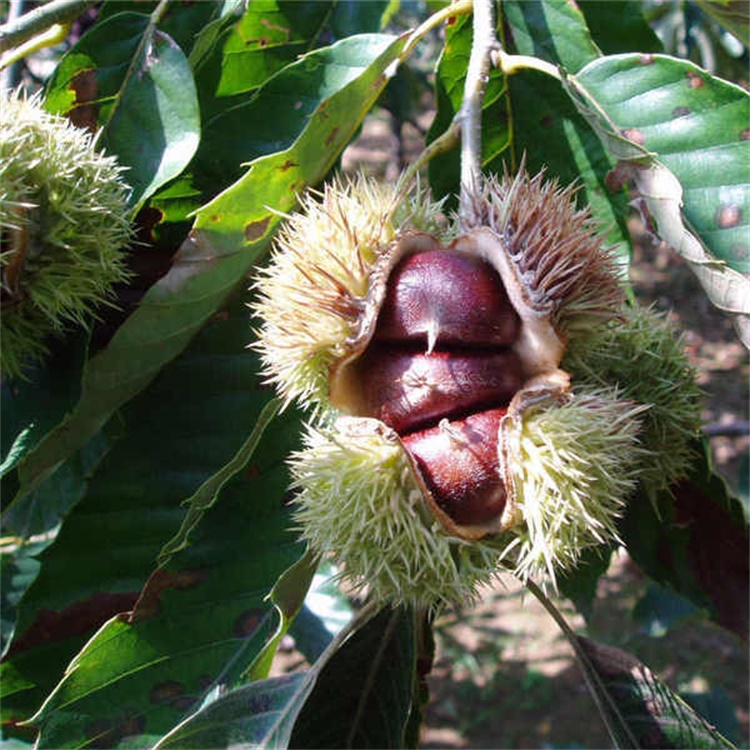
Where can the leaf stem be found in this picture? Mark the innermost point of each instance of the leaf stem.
(470, 115)
(460, 8)
(510, 64)
(598, 693)
(35, 22)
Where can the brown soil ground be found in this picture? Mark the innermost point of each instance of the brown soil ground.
(504, 676)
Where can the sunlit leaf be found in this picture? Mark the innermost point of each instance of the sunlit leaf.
(683, 136)
(139, 91)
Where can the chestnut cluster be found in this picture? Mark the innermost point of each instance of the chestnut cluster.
(441, 370)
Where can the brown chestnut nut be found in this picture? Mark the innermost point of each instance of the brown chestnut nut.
(459, 464)
(409, 389)
(447, 299)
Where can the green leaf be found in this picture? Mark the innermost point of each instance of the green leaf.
(175, 439)
(641, 711)
(288, 596)
(200, 621)
(33, 406)
(139, 90)
(237, 55)
(546, 128)
(659, 609)
(695, 541)
(733, 15)
(619, 26)
(553, 30)
(580, 584)
(231, 234)
(244, 717)
(263, 713)
(363, 695)
(683, 136)
(355, 17)
(182, 21)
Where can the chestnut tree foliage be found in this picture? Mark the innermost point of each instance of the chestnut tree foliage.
(150, 565)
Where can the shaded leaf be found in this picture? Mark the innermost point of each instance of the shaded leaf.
(33, 406)
(139, 91)
(551, 30)
(619, 26)
(236, 55)
(183, 22)
(355, 17)
(733, 15)
(641, 710)
(579, 584)
(230, 235)
(261, 714)
(685, 140)
(363, 695)
(174, 437)
(696, 542)
(244, 717)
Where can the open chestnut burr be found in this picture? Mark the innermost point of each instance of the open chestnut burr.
(447, 432)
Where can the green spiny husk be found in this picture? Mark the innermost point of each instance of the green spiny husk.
(63, 229)
(641, 356)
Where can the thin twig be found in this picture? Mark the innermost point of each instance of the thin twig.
(33, 23)
(590, 675)
(470, 115)
(460, 8)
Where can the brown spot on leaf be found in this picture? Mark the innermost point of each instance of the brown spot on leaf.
(78, 619)
(728, 215)
(149, 602)
(84, 113)
(451, 20)
(680, 112)
(166, 692)
(745, 135)
(247, 623)
(634, 135)
(695, 79)
(256, 229)
(332, 136)
(288, 164)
